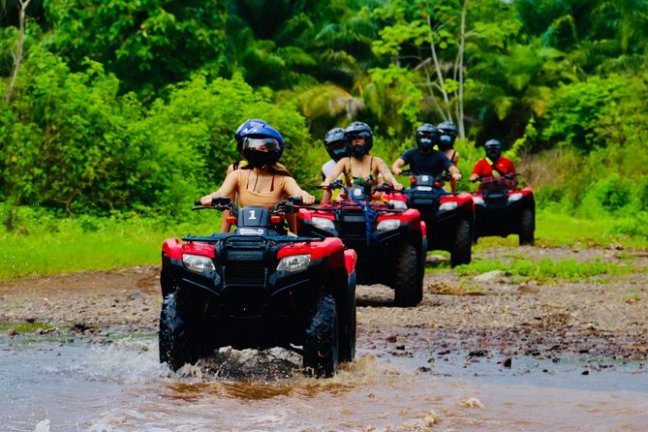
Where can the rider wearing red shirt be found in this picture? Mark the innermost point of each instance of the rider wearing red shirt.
(494, 161)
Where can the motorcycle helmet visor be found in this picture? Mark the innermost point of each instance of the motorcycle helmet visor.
(358, 138)
(426, 142)
(446, 139)
(336, 146)
(261, 144)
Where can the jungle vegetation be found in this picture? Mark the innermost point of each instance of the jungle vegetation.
(129, 107)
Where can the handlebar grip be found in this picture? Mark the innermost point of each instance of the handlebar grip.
(197, 203)
(297, 200)
(220, 201)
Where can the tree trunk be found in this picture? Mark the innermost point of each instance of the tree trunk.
(18, 58)
(439, 72)
(460, 54)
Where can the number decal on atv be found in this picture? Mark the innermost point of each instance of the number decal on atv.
(252, 215)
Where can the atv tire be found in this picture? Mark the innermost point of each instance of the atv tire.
(527, 227)
(461, 244)
(175, 344)
(408, 283)
(348, 324)
(321, 344)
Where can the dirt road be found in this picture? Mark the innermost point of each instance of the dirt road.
(493, 314)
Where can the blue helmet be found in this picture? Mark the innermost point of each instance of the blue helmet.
(359, 130)
(243, 129)
(262, 145)
(335, 142)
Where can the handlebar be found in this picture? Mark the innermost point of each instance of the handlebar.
(507, 176)
(440, 177)
(337, 184)
(223, 203)
(217, 203)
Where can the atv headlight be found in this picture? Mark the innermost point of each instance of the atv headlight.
(388, 225)
(198, 263)
(517, 196)
(294, 263)
(478, 201)
(400, 205)
(323, 223)
(446, 206)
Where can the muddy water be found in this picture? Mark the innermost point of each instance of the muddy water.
(121, 387)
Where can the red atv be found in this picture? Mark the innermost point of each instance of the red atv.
(503, 208)
(258, 288)
(449, 217)
(388, 237)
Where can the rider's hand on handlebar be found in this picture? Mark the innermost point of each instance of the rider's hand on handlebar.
(398, 186)
(308, 199)
(456, 176)
(206, 200)
(397, 171)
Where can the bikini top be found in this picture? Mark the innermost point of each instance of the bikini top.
(351, 180)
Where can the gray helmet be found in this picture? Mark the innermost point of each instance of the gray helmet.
(493, 149)
(447, 135)
(427, 135)
(335, 142)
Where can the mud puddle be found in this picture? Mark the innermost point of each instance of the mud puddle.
(121, 387)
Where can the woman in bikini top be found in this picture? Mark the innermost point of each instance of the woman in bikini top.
(360, 165)
(263, 181)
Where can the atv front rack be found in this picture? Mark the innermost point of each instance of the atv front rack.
(216, 237)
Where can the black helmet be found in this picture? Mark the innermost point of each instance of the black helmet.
(447, 135)
(335, 142)
(493, 149)
(359, 130)
(426, 136)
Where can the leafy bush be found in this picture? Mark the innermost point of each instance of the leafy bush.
(64, 137)
(592, 113)
(147, 44)
(194, 136)
(636, 226)
(70, 142)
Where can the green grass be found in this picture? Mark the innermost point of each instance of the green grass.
(44, 245)
(25, 327)
(70, 245)
(554, 229)
(546, 269)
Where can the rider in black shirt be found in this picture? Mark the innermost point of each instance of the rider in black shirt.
(424, 160)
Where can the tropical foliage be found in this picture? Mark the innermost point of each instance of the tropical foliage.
(131, 105)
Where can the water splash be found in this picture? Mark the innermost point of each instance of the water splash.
(43, 426)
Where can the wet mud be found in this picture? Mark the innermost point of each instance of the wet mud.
(511, 355)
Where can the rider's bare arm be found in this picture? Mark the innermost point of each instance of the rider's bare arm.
(292, 189)
(381, 168)
(227, 189)
(454, 172)
(398, 165)
(225, 227)
(338, 169)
